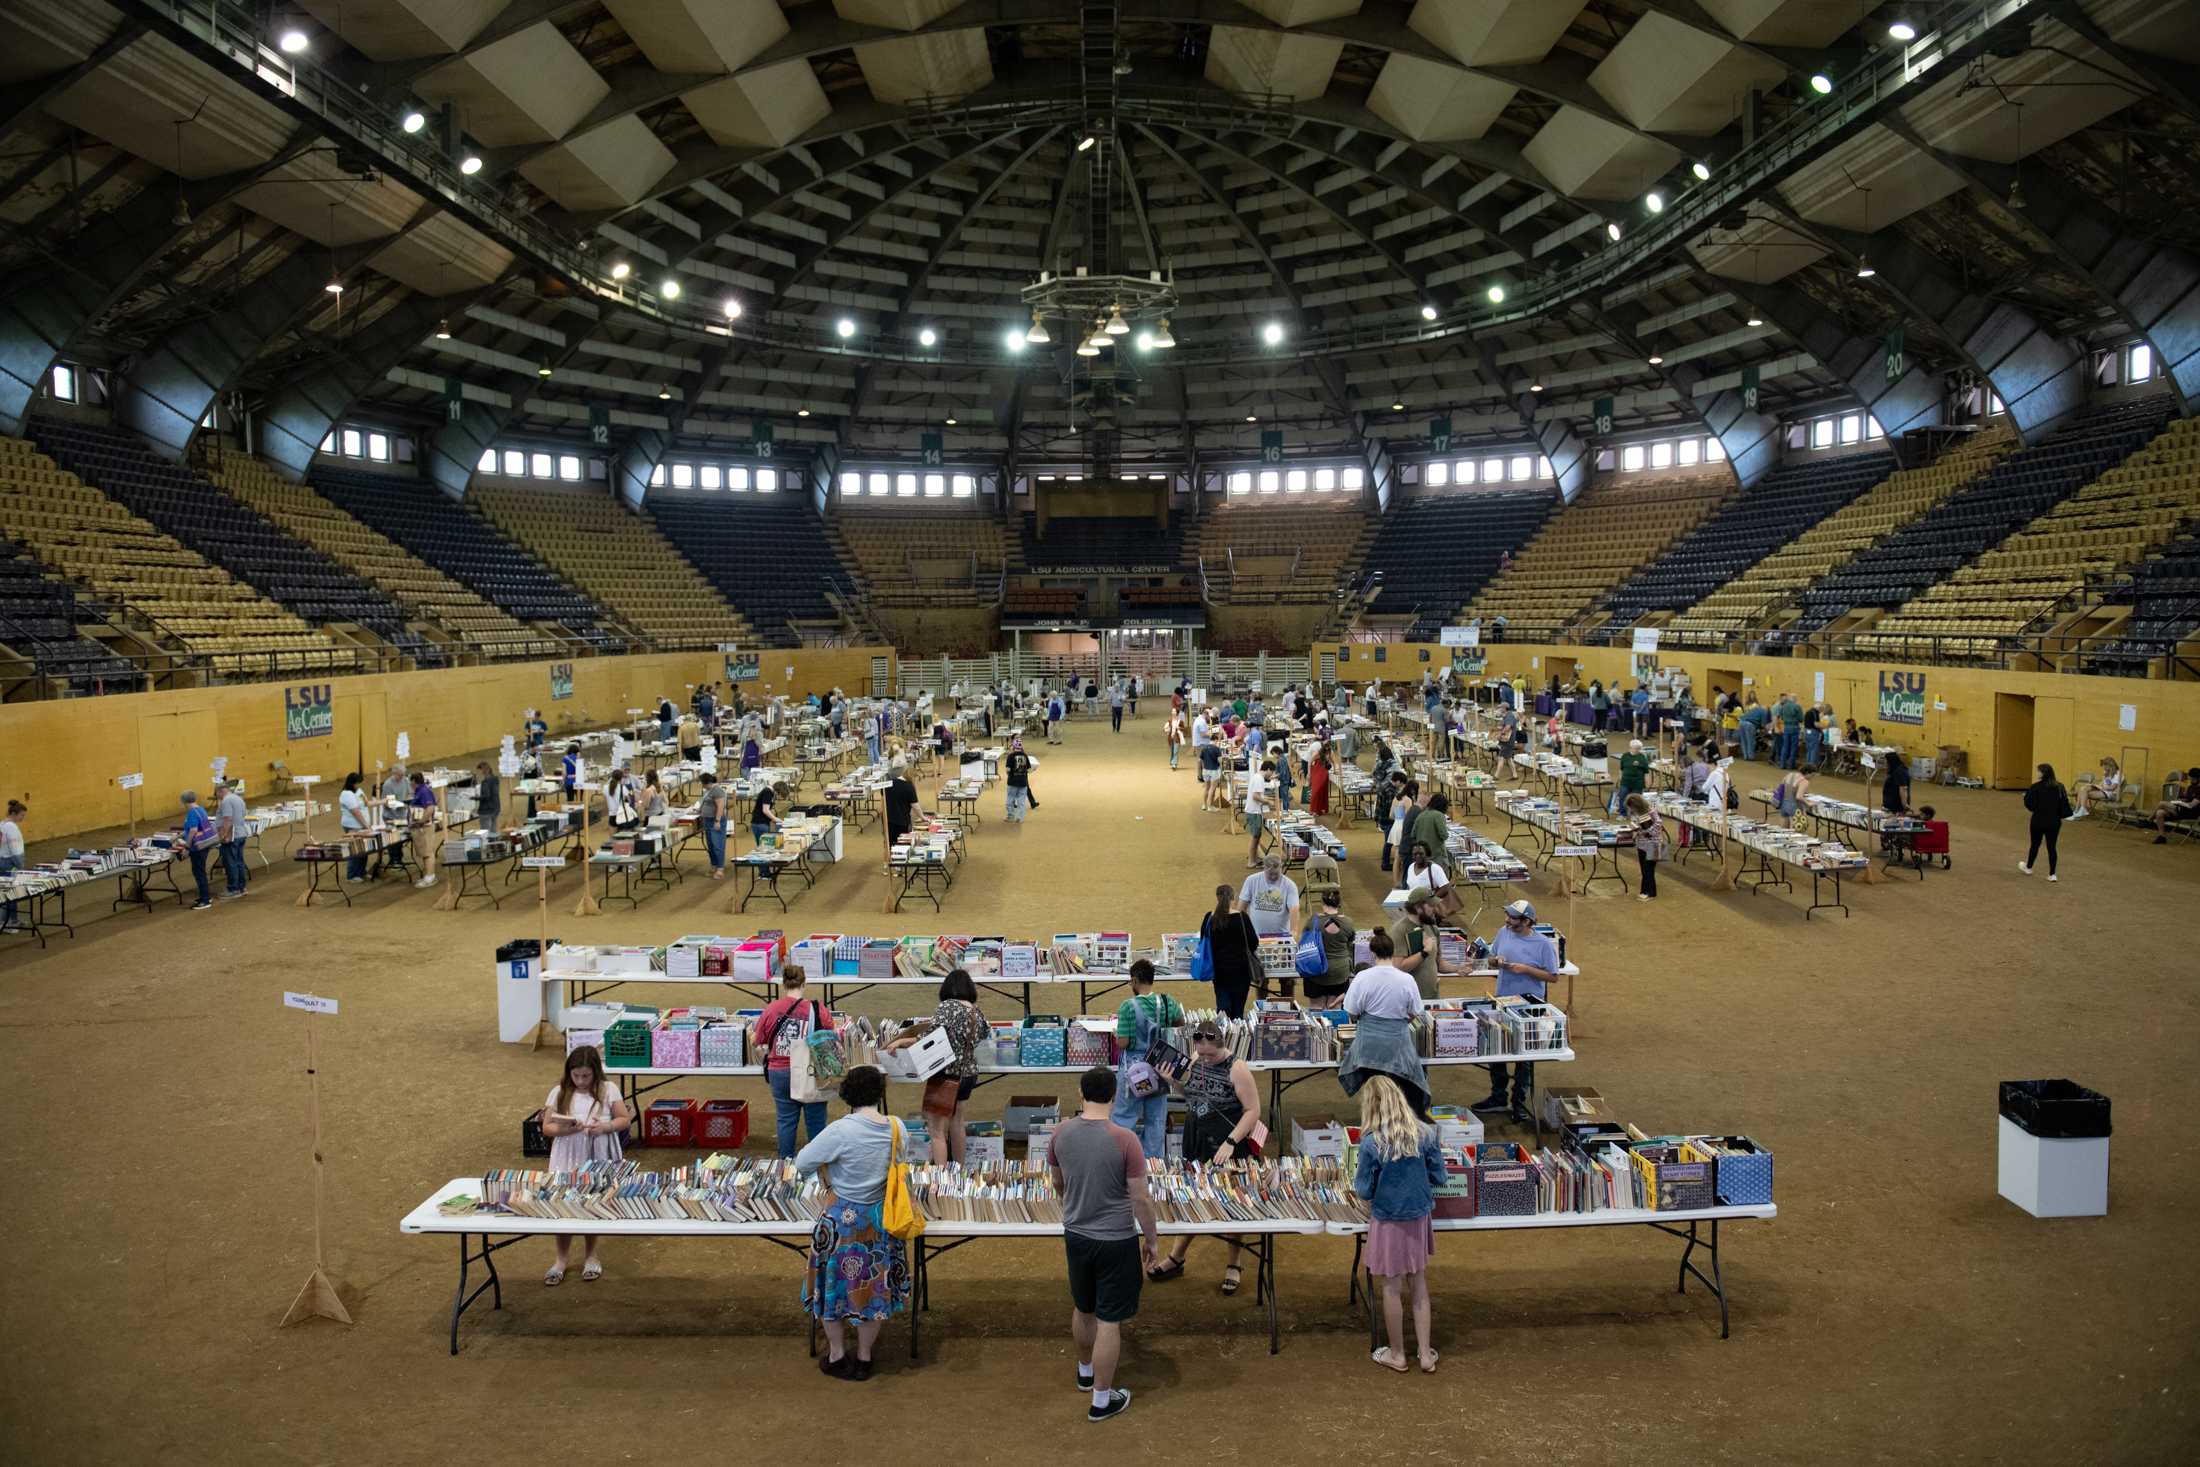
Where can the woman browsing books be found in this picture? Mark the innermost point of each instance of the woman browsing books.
(1221, 1125)
(946, 1093)
(1400, 1166)
(584, 1119)
(859, 1272)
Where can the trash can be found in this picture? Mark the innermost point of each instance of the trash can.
(2054, 1148)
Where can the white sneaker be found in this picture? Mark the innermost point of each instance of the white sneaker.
(2027, 870)
(2051, 876)
(425, 881)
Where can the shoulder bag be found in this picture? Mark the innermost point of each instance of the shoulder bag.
(898, 1212)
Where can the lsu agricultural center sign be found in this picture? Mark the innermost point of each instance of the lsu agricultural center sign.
(309, 711)
(1901, 697)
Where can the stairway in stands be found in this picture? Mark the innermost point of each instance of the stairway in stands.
(770, 558)
(2019, 488)
(1743, 531)
(1745, 604)
(464, 546)
(1437, 552)
(181, 502)
(454, 613)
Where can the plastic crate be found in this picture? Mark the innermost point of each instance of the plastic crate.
(669, 1123)
(626, 1046)
(722, 1045)
(1676, 1178)
(1038, 1047)
(2055, 1109)
(674, 1048)
(721, 1123)
(532, 1141)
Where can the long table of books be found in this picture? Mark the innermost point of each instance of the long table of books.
(760, 1197)
(1556, 828)
(1766, 846)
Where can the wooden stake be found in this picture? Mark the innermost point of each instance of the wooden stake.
(318, 1299)
(587, 906)
(545, 1032)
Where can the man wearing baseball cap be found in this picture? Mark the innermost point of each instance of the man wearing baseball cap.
(1413, 940)
(1525, 960)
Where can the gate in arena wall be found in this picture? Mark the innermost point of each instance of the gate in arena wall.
(880, 686)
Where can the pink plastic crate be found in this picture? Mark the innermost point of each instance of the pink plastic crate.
(675, 1049)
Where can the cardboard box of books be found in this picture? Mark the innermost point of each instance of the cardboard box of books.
(1318, 1137)
(1039, 1145)
(1569, 1105)
(1025, 1112)
(1457, 1128)
(920, 1061)
(625, 959)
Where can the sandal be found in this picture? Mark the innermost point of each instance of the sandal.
(1428, 1363)
(591, 1271)
(1166, 1269)
(1384, 1358)
(555, 1276)
(1231, 1278)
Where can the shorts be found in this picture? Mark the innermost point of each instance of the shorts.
(1323, 988)
(964, 1091)
(1209, 776)
(1253, 825)
(1104, 1276)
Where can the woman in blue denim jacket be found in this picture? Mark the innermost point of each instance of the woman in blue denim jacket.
(1401, 1165)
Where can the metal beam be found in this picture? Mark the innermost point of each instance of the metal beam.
(167, 392)
(1916, 399)
(2177, 82)
(25, 100)
(2155, 288)
(2038, 374)
(317, 394)
(44, 313)
(451, 454)
(645, 448)
(953, 233)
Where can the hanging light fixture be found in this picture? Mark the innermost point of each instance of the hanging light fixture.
(1398, 406)
(1162, 339)
(733, 309)
(1086, 348)
(1143, 341)
(1612, 231)
(1864, 270)
(1656, 360)
(443, 329)
(1821, 83)
(801, 412)
(1116, 326)
(664, 394)
(543, 370)
(669, 288)
(1037, 335)
(2016, 162)
(1654, 202)
(1902, 30)
(620, 269)
(413, 120)
(1701, 169)
(1014, 340)
(928, 337)
(1428, 311)
(293, 41)
(949, 420)
(1496, 294)
(470, 164)
(1535, 387)
(181, 218)
(1100, 335)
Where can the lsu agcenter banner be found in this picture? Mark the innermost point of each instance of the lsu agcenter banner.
(309, 711)
(1901, 697)
(744, 668)
(561, 679)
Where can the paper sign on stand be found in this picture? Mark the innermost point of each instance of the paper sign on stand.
(220, 766)
(318, 1299)
(131, 781)
(542, 863)
(1646, 639)
(1581, 853)
(404, 745)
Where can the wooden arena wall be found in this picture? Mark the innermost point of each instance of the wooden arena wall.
(64, 757)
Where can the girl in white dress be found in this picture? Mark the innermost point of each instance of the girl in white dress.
(584, 1119)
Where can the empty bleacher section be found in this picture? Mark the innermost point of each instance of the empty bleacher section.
(1172, 594)
(769, 557)
(1593, 544)
(1745, 603)
(1282, 552)
(150, 582)
(178, 500)
(2021, 487)
(2164, 597)
(1745, 530)
(1029, 605)
(464, 618)
(618, 558)
(38, 631)
(2113, 521)
(466, 547)
(1437, 552)
(1074, 542)
(935, 558)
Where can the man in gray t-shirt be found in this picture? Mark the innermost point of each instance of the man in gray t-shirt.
(1108, 1232)
(1271, 899)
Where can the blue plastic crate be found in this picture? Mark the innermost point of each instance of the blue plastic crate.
(1043, 1047)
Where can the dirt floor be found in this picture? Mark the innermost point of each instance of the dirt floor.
(159, 1212)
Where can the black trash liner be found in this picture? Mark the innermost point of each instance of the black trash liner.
(521, 947)
(2055, 1109)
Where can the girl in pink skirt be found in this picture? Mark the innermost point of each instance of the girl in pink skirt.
(1400, 1166)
